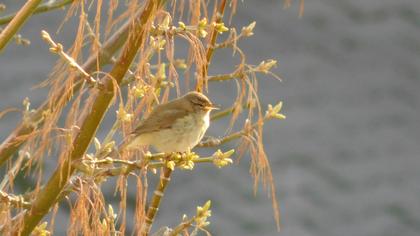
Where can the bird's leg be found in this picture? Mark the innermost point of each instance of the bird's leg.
(209, 141)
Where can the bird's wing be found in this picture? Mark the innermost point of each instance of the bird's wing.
(159, 119)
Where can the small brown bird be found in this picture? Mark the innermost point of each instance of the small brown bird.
(175, 126)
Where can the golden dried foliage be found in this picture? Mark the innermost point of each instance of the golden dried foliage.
(147, 78)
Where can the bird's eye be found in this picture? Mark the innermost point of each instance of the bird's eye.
(199, 104)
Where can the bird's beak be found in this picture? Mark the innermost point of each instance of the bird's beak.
(213, 107)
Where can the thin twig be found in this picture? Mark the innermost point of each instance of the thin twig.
(181, 227)
(58, 49)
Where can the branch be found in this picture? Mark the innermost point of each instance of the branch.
(47, 195)
(156, 199)
(23, 14)
(91, 166)
(48, 6)
(210, 49)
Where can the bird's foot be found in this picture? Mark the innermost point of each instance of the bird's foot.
(209, 141)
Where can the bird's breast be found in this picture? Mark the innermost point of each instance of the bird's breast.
(187, 132)
(192, 125)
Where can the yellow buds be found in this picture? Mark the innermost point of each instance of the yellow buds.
(111, 212)
(202, 25)
(220, 27)
(180, 63)
(202, 214)
(187, 160)
(274, 112)
(202, 33)
(123, 115)
(161, 72)
(164, 26)
(158, 43)
(248, 31)
(204, 210)
(140, 91)
(45, 35)
(55, 47)
(104, 225)
(182, 26)
(41, 230)
(222, 159)
(26, 104)
(170, 165)
(266, 66)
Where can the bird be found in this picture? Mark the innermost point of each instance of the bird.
(175, 126)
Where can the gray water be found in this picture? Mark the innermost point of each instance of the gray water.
(346, 160)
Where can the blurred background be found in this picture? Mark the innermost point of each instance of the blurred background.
(346, 160)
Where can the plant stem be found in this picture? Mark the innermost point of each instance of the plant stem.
(47, 196)
(23, 14)
(48, 6)
(157, 197)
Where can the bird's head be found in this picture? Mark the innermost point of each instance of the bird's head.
(199, 102)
